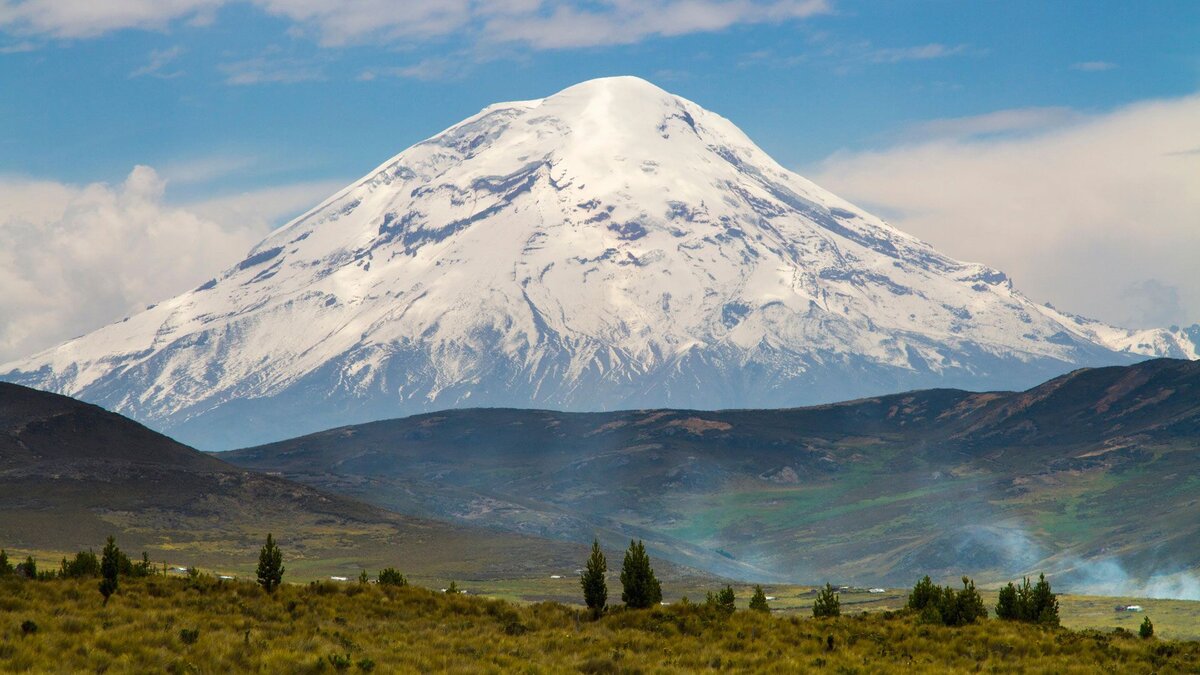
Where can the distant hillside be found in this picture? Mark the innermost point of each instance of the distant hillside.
(72, 473)
(1094, 474)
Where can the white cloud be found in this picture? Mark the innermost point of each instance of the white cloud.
(541, 24)
(271, 69)
(262, 209)
(157, 62)
(559, 25)
(1082, 213)
(73, 258)
(89, 18)
(916, 53)
(1093, 66)
(1001, 122)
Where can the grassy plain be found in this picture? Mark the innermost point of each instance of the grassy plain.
(179, 625)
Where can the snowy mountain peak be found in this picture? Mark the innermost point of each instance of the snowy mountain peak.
(609, 246)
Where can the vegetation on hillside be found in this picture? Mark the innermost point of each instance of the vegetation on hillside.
(181, 624)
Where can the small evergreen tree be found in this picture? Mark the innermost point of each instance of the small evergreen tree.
(84, 564)
(270, 566)
(452, 589)
(1006, 605)
(827, 603)
(639, 587)
(963, 607)
(1044, 603)
(1030, 604)
(6, 567)
(722, 601)
(595, 588)
(28, 569)
(1146, 631)
(109, 568)
(924, 594)
(758, 601)
(390, 576)
(363, 577)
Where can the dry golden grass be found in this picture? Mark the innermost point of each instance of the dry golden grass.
(239, 628)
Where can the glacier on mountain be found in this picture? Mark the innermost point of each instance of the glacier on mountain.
(610, 246)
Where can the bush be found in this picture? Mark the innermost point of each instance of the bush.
(6, 568)
(758, 601)
(390, 576)
(639, 587)
(340, 662)
(1146, 631)
(28, 627)
(827, 603)
(188, 636)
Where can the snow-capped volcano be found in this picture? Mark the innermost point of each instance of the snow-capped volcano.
(611, 246)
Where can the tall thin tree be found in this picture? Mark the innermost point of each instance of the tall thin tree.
(110, 566)
(595, 588)
(270, 566)
(639, 587)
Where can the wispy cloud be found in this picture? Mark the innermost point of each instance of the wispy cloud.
(933, 50)
(1096, 212)
(156, 64)
(1093, 66)
(18, 48)
(538, 24)
(448, 68)
(271, 69)
(998, 123)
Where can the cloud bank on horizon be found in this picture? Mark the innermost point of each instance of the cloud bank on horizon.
(1099, 214)
(1072, 163)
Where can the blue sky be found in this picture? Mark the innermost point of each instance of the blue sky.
(249, 111)
(277, 94)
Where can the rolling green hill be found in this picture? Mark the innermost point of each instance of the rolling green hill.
(1094, 475)
(72, 473)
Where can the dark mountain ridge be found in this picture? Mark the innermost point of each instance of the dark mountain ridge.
(72, 473)
(1096, 465)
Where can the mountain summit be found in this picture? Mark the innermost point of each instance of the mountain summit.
(610, 246)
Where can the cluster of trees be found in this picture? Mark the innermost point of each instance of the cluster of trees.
(114, 563)
(639, 587)
(946, 606)
(1031, 604)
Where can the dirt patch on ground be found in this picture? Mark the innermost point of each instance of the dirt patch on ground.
(698, 426)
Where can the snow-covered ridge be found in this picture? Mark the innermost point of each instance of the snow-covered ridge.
(609, 246)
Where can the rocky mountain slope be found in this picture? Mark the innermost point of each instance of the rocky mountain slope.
(1091, 476)
(610, 246)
